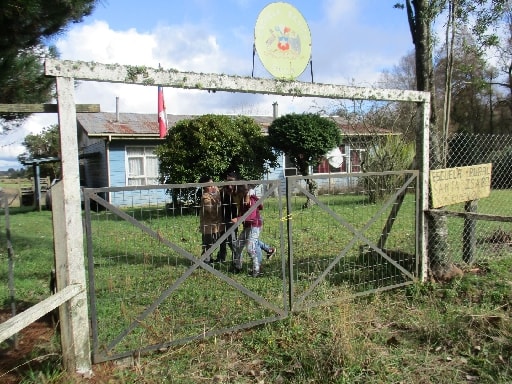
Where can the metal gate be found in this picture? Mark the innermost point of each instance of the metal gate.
(150, 288)
(358, 235)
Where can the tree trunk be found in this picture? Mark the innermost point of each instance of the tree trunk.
(420, 16)
(311, 184)
(313, 189)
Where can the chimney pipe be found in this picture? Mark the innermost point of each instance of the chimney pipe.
(117, 109)
(275, 112)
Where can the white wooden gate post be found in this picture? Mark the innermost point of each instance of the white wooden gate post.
(422, 156)
(68, 238)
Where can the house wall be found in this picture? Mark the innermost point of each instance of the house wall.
(117, 163)
(118, 177)
(93, 165)
(324, 184)
(97, 173)
(276, 174)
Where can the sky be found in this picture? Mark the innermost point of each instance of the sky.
(352, 43)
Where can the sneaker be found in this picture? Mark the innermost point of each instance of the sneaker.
(270, 253)
(256, 274)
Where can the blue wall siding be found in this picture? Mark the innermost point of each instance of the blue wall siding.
(118, 178)
(277, 174)
(117, 157)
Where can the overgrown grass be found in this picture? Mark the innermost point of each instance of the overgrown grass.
(424, 333)
(133, 270)
(31, 235)
(428, 333)
(452, 333)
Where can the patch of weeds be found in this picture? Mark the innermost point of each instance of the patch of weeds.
(44, 369)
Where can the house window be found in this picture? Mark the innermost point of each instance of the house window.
(356, 157)
(289, 167)
(352, 159)
(142, 166)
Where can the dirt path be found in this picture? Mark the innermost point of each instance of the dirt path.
(13, 360)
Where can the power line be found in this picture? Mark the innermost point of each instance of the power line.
(9, 144)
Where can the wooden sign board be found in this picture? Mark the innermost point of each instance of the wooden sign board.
(456, 185)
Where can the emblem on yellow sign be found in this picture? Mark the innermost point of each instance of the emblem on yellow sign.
(282, 40)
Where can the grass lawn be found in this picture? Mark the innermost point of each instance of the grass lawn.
(457, 332)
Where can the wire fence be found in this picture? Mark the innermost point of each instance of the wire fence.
(151, 284)
(479, 229)
(4, 202)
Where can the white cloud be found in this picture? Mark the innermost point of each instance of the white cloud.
(187, 48)
(339, 11)
(11, 142)
(97, 42)
(341, 55)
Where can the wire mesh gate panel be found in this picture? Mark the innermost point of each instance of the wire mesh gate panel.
(149, 287)
(357, 234)
(479, 229)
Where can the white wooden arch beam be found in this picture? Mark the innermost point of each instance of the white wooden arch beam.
(115, 73)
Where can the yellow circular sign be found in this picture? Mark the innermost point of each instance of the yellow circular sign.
(282, 40)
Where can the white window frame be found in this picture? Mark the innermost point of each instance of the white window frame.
(145, 175)
(289, 168)
(350, 165)
(347, 160)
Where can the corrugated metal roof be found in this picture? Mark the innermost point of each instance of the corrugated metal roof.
(106, 123)
(146, 124)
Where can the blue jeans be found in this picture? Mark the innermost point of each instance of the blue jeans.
(264, 246)
(250, 238)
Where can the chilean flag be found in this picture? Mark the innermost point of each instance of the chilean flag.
(162, 115)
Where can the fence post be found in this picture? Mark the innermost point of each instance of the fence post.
(469, 232)
(68, 238)
(10, 257)
(422, 157)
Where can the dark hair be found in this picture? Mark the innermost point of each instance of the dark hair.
(244, 188)
(232, 175)
(205, 179)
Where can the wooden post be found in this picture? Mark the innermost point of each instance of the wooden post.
(68, 238)
(469, 232)
(37, 187)
(422, 157)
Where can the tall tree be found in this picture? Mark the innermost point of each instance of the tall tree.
(467, 87)
(43, 145)
(25, 27)
(305, 139)
(421, 14)
(504, 53)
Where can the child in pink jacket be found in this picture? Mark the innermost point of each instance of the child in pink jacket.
(251, 232)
